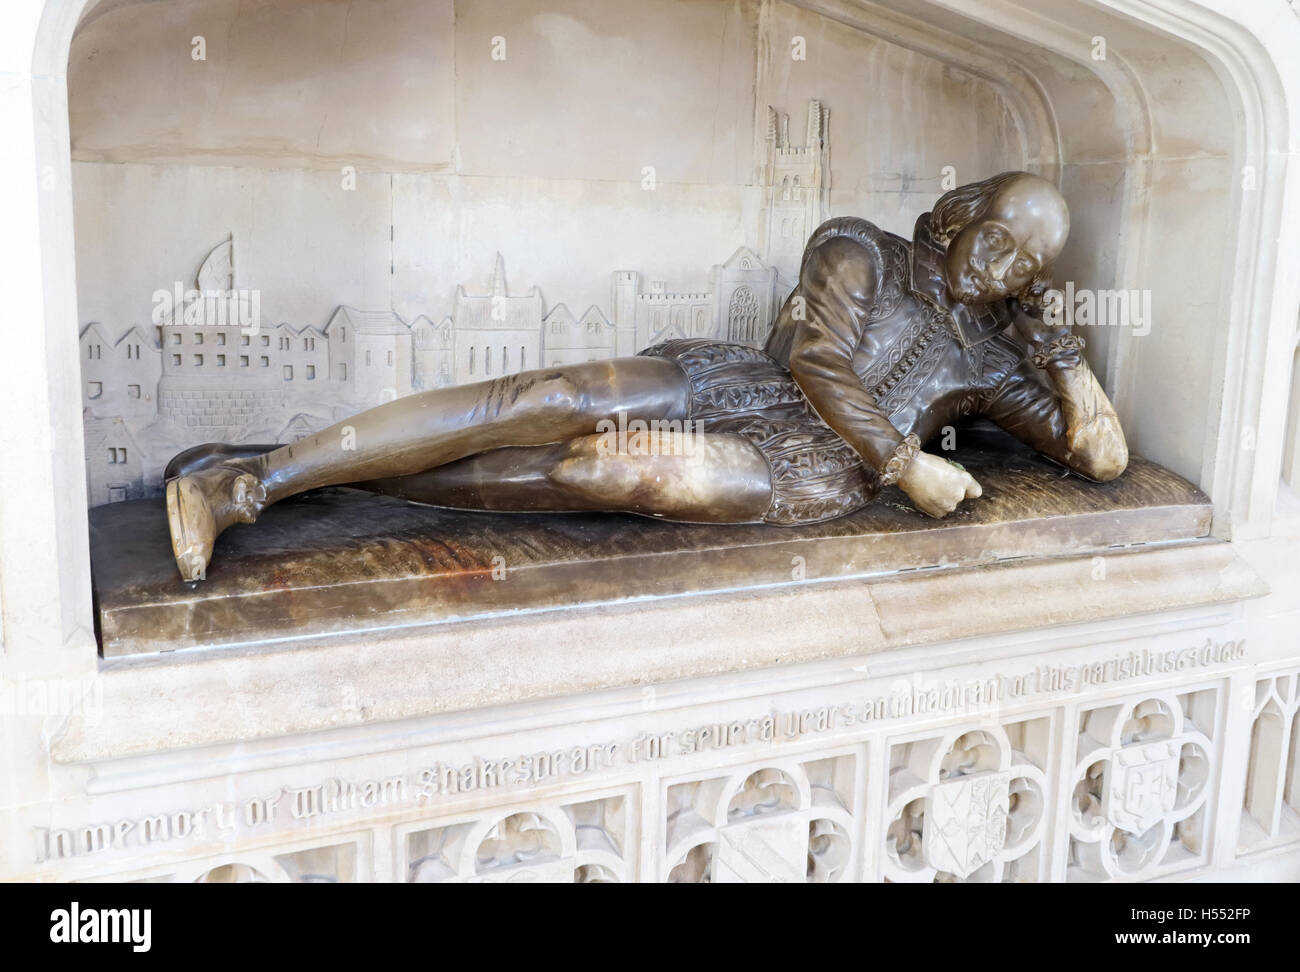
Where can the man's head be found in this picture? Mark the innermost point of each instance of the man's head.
(1000, 234)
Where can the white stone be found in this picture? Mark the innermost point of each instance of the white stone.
(967, 825)
(1177, 155)
(1143, 786)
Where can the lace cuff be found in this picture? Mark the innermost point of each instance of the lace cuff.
(902, 458)
(1061, 346)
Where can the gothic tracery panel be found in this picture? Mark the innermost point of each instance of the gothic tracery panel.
(1142, 779)
(782, 822)
(968, 805)
(583, 841)
(328, 864)
(742, 317)
(1271, 806)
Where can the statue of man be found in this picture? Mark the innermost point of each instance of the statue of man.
(882, 344)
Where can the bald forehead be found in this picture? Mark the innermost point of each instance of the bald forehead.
(1035, 212)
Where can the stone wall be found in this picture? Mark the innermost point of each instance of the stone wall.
(541, 156)
(1157, 756)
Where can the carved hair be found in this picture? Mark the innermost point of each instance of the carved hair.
(958, 208)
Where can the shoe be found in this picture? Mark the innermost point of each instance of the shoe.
(201, 505)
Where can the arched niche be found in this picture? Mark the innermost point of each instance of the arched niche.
(1175, 150)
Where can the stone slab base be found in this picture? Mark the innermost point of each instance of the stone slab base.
(341, 561)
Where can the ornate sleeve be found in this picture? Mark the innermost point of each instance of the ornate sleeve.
(1073, 422)
(838, 284)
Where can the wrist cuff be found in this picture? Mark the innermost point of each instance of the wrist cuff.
(902, 458)
(1058, 348)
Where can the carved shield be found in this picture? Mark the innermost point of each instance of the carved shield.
(1142, 785)
(966, 822)
(763, 850)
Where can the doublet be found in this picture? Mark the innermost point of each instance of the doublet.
(883, 341)
(867, 349)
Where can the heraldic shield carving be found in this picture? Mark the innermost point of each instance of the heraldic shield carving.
(966, 824)
(968, 805)
(1142, 787)
(1142, 778)
(779, 822)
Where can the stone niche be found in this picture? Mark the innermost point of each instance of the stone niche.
(616, 175)
(478, 189)
(604, 176)
(1067, 684)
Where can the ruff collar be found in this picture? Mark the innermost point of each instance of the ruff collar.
(970, 324)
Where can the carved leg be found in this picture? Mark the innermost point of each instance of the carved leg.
(417, 433)
(721, 479)
(702, 479)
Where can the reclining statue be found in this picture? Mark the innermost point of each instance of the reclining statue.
(882, 344)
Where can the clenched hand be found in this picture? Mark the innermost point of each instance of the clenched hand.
(936, 486)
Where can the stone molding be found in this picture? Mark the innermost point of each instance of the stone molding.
(393, 676)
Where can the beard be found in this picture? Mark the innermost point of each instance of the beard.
(970, 291)
(973, 289)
